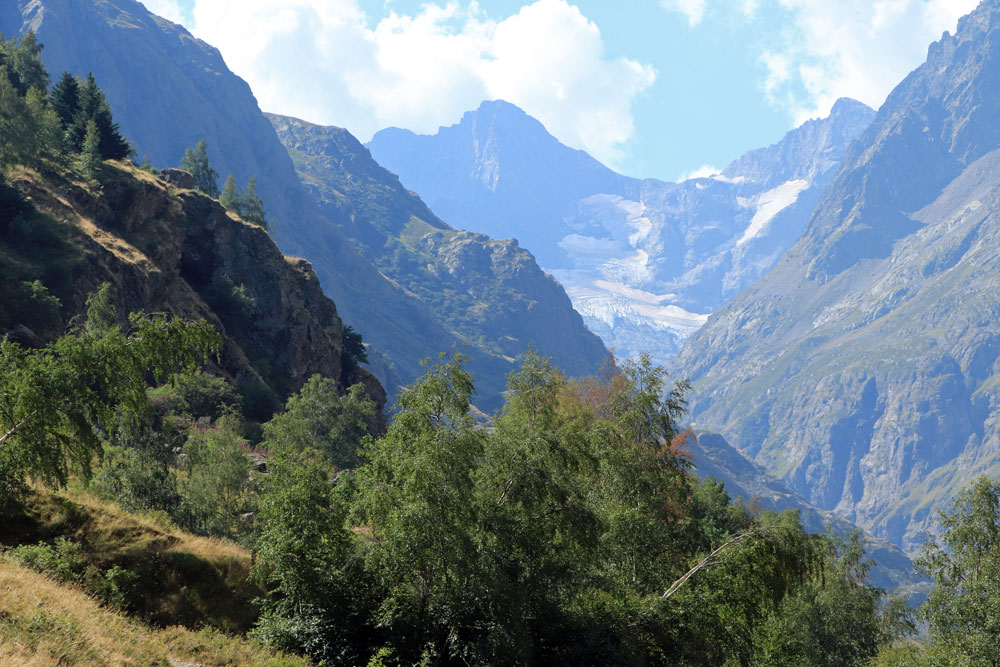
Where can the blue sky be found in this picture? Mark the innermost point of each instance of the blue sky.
(654, 88)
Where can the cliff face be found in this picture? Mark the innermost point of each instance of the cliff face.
(490, 294)
(174, 250)
(863, 369)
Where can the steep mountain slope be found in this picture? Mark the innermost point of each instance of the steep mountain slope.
(643, 261)
(863, 368)
(166, 248)
(169, 89)
(491, 293)
(714, 457)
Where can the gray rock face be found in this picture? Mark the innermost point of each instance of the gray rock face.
(168, 90)
(645, 262)
(862, 369)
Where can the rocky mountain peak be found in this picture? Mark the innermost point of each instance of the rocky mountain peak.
(863, 368)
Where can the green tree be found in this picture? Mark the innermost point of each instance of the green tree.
(54, 400)
(102, 315)
(216, 489)
(305, 558)
(353, 347)
(252, 207)
(231, 197)
(90, 152)
(23, 60)
(196, 161)
(963, 609)
(416, 495)
(835, 618)
(319, 418)
(65, 99)
(94, 107)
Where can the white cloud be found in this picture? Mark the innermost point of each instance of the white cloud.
(323, 60)
(168, 9)
(694, 10)
(852, 48)
(704, 171)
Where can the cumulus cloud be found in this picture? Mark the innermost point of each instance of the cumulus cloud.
(694, 10)
(851, 48)
(324, 61)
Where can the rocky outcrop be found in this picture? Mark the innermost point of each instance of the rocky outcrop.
(863, 370)
(491, 295)
(174, 250)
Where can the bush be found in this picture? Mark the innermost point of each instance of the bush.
(196, 395)
(62, 560)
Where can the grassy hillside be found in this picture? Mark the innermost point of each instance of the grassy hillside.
(189, 582)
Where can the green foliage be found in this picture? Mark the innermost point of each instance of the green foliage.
(65, 99)
(30, 303)
(834, 619)
(27, 128)
(22, 59)
(52, 400)
(92, 107)
(304, 560)
(137, 480)
(319, 419)
(147, 167)
(216, 489)
(353, 350)
(230, 196)
(102, 315)
(195, 161)
(230, 301)
(90, 153)
(196, 395)
(963, 609)
(549, 539)
(248, 206)
(61, 560)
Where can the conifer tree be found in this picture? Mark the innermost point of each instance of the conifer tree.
(231, 197)
(252, 205)
(206, 179)
(90, 155)
(92, 105)
(65, 99)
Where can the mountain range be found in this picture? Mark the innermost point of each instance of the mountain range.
(644, 261)
(862, 370)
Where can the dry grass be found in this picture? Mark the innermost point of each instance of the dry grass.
(44, 623)
(190, 581)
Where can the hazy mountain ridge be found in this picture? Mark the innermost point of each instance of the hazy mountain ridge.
(862, 369)
(644, 261)
(490, 293)
(168, 90)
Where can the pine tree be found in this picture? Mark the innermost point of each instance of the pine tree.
(206, 179)
(252, 205)
(93, 106)
(231, 196)
(90, 155)
(65, 99)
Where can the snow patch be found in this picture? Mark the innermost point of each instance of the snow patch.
(769, 204)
